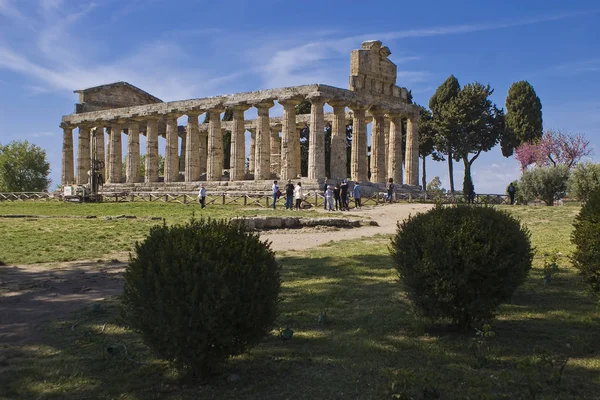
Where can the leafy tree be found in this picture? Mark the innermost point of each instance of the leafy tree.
(545, 183)
(434, 188)
(584, 179)
(446, 136)
(161, 165)
(427, 134)
(23, 167)
(479, 125)
(523, 117)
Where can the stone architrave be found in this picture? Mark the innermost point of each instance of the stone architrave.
(316, 140)
(237, 157)
(203, 146)
(133, 152)
(100, 154)
(83, 154)
(171, 150)
(377, 148)
(214, 167)
(338, 160)
(290, 140)
(151, 150)
(192, 149)
(275, 143)
(411, 173)
(395, 148)
(252, 149)
(358, 161)
(262, 158)
(67, 155)
(116, 154)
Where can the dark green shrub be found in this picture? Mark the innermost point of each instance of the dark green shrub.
(585, 237)
(545, 183)
(201, 292)
(461, 262)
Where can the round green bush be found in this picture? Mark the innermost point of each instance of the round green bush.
(201, 292)
(586, 257)
(461, 263)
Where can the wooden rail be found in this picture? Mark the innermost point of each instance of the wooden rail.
(315, 199)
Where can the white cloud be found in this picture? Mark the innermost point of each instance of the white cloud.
(43, 134)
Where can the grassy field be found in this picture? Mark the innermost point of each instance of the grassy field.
(57, 231)
(372, 345)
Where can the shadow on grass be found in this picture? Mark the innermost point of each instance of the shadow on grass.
(370, 346)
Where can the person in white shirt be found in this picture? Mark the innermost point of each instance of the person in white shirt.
(298, 195)
(202, 196)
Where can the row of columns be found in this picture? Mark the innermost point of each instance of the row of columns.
(269, 154)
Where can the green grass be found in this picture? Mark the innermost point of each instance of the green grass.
(64, 232)
(372, 346)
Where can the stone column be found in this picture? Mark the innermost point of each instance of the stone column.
(67, 155)
(182, 151)
(358, 160)
(411, 173)
(100, 154)
(116, 154)
(377, 148)
(237, 156)
(386, 146)
(152, 150)
(262, 157)
(316, 140)
(214, 167)
(171, 153)
(203, 146)
(192, 149)
(83, 154)
(252, 149)
(297, 157)
(275, 144)
(290, 140)
(338, 162)
(107, 155)
(133, 152)
(395, 148)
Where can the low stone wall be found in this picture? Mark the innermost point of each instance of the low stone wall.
(267, 223)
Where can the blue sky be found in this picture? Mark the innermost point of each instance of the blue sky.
(178, 50)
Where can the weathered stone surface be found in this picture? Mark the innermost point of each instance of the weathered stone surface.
(267, 223)
(116, 155)
(83, 154)
(395, 149)
(372, 83)
(133, 152)
(67, 175)
(151, 150)
(377, 148)
(411, 173)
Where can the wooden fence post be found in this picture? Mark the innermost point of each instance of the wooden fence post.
(223, 199)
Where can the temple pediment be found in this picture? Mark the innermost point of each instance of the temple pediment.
(112, 95)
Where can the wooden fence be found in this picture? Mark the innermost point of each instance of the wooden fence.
(315, 199)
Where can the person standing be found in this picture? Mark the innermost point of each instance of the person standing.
(289, 195)
(390, 189)
(336, 196)
(275, 194)
(329, 198)
(298, 195)
(357, 195)
(511, 189)
(325, 186)
(202, 195)
(344, 195)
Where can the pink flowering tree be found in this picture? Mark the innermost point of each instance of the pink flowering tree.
(555, 148)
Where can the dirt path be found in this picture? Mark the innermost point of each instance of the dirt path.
(31, 294)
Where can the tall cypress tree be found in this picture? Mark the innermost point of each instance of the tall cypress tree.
(523, 117)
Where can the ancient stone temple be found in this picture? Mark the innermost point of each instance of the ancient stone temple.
(194, 152)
